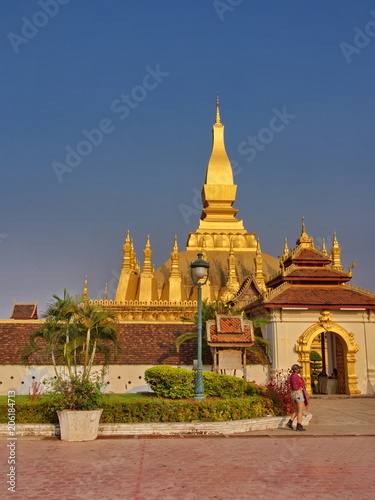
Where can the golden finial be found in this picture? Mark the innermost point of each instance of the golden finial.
(232, 284)
(85, 294)
(324, 250)
(335, 253)
(174, 260)
(335, 243)
(217, 108)
(105, 294)
(258, 250)
(259, 276)
(286, 248)
(147, 253)
(175, 246)
(304, 240)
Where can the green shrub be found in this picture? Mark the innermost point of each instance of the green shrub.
(167, 410)
(178, 383)
(31, 412)
(223, 386)
(168, 382)
(151, 409)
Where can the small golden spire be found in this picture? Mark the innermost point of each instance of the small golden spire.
(175, 245)
(259, 276)
(336, 253)
(85, 294)
(232, 283)
(127, 249)
(286, 248)
(175, 272)
(147, 253)
(105, 294)
(217, 109)
(132, 256)
(324, 249)
(304, 240)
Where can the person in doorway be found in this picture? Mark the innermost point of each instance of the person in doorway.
(299, 397)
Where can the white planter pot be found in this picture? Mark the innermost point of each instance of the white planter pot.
(79, 425)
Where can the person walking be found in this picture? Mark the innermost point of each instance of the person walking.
(299, 397)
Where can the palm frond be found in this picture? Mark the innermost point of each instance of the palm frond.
(183, 338)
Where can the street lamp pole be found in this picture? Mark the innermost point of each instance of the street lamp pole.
(199, 275)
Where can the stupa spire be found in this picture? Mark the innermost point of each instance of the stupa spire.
(217, 109)
(258, 261)
(324, 249)
(219, 170)
(127, 249)
(174, 288)
(304, 240)
(286, 249)
(147, 254)
(175, 271)
(218, 223)
(336, 254)
(232, 280)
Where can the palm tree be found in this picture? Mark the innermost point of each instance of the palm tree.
(97, 331)
(73, 332)
(56, 332)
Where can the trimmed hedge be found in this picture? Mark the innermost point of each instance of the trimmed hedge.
(177, 383)
(151, 409)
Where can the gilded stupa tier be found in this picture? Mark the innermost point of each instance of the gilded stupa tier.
(219, 229)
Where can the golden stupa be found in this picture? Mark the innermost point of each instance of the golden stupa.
(168, 294)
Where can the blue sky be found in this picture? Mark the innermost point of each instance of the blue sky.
(144, 75)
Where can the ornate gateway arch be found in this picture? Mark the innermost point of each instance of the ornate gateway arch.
(325, 325)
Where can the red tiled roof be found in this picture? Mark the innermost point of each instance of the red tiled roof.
(318, 273)
(141, 344)
(309, 256)
(231, 338)
(230, 325)
(24, 311)
(331, 296)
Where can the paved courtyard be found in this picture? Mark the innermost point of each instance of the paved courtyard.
(280, 465)
(195, 468)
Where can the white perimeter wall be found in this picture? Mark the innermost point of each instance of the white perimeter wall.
(121, 378)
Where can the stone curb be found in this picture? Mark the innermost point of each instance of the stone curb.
(161, 429)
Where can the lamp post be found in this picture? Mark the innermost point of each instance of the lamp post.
(199, 275)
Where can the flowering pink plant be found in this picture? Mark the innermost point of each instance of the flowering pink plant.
(278, 390)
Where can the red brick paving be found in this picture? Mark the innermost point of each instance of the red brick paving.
(240, 467)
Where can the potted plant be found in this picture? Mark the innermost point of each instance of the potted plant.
(73, 333)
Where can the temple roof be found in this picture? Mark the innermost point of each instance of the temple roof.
(308, 256)
(24, 311)
(309, 278)
(332, 297)
(229, 330)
